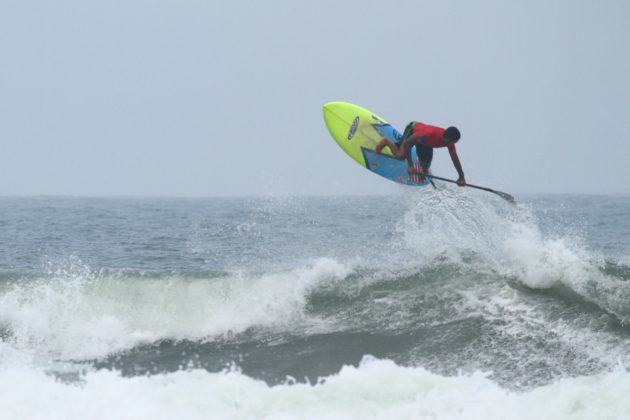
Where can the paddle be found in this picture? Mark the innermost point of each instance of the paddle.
(501, 194)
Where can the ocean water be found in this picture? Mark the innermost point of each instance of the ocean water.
(445, 304)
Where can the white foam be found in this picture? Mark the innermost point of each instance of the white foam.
(377, 389)
(517, 315)
(81, 314)
(541, 262)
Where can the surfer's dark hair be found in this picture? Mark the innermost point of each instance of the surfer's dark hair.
(452, 134)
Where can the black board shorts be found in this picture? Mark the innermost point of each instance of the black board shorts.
(425, 153)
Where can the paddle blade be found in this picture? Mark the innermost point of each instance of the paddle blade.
(505, 196)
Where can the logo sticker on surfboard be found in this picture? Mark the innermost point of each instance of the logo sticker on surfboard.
(353, 128)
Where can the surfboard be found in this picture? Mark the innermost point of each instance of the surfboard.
(357, 131)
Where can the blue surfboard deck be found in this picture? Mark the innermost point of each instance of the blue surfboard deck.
(392, 168)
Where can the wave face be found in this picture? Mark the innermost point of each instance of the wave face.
(414, 300)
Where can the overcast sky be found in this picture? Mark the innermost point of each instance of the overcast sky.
(205, 98)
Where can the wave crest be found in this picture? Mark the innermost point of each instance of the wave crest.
(79, 313)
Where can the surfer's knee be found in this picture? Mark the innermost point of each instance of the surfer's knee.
(380, 145)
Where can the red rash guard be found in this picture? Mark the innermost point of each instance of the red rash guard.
(431, 136)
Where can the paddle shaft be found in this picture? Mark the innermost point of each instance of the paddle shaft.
(503, 195)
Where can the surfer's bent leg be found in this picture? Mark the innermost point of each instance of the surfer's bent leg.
(425, 156)
(383, 143)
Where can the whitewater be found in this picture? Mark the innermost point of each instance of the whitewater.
(444, 304)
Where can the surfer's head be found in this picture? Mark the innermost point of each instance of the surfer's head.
(452, 134)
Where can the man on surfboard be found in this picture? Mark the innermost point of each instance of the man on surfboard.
(425, 138)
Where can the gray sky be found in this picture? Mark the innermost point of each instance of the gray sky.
(208, 98)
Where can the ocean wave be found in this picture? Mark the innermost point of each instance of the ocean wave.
(75, 312)
(453, 250)
(376, 389)
(508, 241)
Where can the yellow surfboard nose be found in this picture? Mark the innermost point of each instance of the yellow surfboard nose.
(351, 127)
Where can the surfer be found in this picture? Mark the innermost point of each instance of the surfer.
(425, 138)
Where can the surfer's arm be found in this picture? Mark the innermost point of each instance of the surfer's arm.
(461, 181)
(405, 151)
